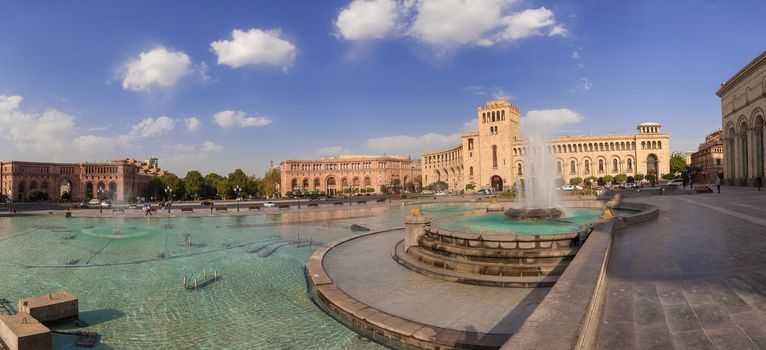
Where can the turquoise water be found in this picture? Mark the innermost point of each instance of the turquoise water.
(498, 223)
(128, 274)
(625, 212)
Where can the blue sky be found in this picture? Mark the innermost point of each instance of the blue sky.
(219, 85)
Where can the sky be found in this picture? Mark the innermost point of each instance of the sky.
(219, 85)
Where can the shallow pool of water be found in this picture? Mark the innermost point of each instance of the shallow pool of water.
(498, 223)
(128, 275)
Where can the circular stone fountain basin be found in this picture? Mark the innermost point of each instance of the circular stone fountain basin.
(495, 223)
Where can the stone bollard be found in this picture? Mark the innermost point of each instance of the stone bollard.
(414, 227)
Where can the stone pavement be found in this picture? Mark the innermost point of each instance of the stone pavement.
(364, 269)
(695, 278)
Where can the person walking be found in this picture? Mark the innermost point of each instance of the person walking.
(759, 182)
(718, 183)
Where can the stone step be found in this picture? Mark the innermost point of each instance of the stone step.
(552, 256)
(411, 263)
(494, 268)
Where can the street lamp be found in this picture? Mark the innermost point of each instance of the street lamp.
(10, 201)
(238, 190)
(169, 193)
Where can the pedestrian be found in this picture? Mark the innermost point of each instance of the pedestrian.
(759, 182)
(148, 208)
(691, 185)
(718, 183)
(211, 208)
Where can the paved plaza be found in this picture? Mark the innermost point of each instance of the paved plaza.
(695, 278)
(364, 269)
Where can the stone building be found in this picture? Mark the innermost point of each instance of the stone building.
(742, 109)
(493, 156)
(333, 175)
(707, 162)
(121, 179)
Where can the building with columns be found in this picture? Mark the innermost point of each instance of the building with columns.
(333, 175)
(493, 156)
(743, 102)
(123, 179)
(707, 162)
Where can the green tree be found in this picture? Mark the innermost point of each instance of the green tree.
(37, 195)
(608, 179)
(639, 177)
(650, 177)
(238, 178)
(575, 181)
(194, 184)
(175, 183)
(470, 187)
(590, 180)
(669, 176)
(621, 178)
(224, 189)
(155, 189)
(211, 185)
(677, 163)
(269, 184)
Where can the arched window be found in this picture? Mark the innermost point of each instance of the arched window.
(502, 115)
(494, 156)
(470, 171)
(558, 167)
(587, 166)
(572, 168)
(601, 166)
(651, 164)
(470, 144)
(630, 165)
(659, 144)
(484, 117)
(518, 170)
(615, 167)
(367, 182)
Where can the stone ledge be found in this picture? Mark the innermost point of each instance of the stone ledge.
(381, 326)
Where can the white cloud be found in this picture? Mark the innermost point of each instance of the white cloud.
(471, 125)
(547, 117)
(559, 30)
(180, 148)
(158, 67)
(457, 22)
(90, 143)
(527, 23)
(254, 47)
(575, 55)
(499, 93)
(152, 127)
(412, 145)
(228, 118)
(583, 85)
(210, 146)
(367, 19)
(192, 124)
(333, 150)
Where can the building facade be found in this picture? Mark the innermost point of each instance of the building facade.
(707, 162)
(350, 173)
(493, 156)
(120, 179)
(743, 102)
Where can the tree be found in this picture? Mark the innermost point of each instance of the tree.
(677, 163)
(175, 183)
(224, 189)
(37, 195)
(211, 185)
(438, 186)
(155, 189)
(590, 180)
(639, 177)
(194, 184)
(269, 184)
(470, 187)
(608, 179)
(650, 177)
(621, 178)
(238, 178)
(669, 176)
(575, 181)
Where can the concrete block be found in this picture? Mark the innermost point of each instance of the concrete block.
(23, 332)
(53, 307)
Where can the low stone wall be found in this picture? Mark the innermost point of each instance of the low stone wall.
(645, 212)
(566, 316)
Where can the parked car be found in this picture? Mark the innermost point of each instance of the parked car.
(94, 201)
(206, 203)
(631, 185)
(483, 192)
(133, 207)
(268, 204)
(106, 204)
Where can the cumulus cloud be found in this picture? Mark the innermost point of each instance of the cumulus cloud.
(471, 125)
(228, 118)
(89, 143)
(412, 145)
(446, 23)
(210, 146)
(152, 127)
(192, 124)
(584, 84)
(367, 19)
(255, 47)
(548, 117)
(333, 150)
(157, 67)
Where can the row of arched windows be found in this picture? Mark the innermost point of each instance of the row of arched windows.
(330, 181)
(573, 166)
(494, 116)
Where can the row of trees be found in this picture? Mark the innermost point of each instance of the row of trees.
(608, 179)
(195, 186)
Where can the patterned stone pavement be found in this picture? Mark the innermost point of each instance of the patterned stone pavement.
(364, 269)
(693, 279)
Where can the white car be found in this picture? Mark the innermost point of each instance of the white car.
(441, 194)
(94, 201)
(268, 205)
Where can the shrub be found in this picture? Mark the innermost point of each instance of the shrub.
(469, 187)
(650, 177)
(608, 179)
(621, 178)
(639, 177)
(507, 195)
(590, 179)
(38, 195)
(575, 181)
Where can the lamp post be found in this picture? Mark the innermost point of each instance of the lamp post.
(300, 193)
(100, 207)
(238, 190)
(10, 201)
(169, 193)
